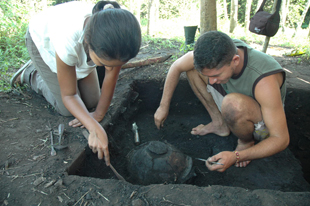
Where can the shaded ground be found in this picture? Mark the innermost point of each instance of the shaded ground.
(25, 158)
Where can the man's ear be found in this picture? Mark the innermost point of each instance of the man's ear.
(236, 59)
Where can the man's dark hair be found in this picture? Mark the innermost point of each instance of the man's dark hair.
(213, 49)
(113, 33)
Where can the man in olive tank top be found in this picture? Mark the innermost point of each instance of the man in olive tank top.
(242, 89)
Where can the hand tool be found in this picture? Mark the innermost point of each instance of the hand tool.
(53, 152)
(86, 134)
(49, 127)
(135, 131)
(61, 129)
(217, 163)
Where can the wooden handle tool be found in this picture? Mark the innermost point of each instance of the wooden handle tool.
(120, 177)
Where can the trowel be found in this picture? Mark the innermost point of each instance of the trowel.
(86, 134)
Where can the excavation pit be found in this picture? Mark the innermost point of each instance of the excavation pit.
(279, 172)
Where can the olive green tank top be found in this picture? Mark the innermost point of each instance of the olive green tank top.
(257, 65)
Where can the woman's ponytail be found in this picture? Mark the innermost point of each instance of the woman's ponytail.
(105, 5)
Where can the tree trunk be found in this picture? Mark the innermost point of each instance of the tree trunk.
(156, 11)
(283, 14)
(148, 28)
(287, 5)
(138, 10)
(247, 15)
(225, 9)
(287, 8)
(233, 15)
(131, 5)
(208, 20)
(135, 8)
(151, 22)
(258, 4)
(267, 39)
(302, 18)
(221, 9)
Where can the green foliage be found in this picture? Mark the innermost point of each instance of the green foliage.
(296, 8)
(298, 60)
(242, 9)
(13, 26)
(303, 51)
(306, 21)
(176, 9)
(294, 15)
(60, 1)
(143, 22)
(4, 86)
(186, 47)
(188, 10)
(160, 43)
(14, 19)
(169, 34)
(286, 44)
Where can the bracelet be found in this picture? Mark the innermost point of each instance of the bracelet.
(237, 156)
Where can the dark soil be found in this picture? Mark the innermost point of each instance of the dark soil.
(76, 177)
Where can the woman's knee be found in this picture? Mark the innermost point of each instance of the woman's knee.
(65, 113)
(92, 103)
(62, 110)
(89, 90)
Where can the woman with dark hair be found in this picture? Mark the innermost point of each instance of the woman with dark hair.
(66, 43)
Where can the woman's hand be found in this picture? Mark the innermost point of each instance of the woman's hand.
(77, 123)
(98, 143)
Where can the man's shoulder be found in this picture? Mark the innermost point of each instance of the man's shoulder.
(240, 43)
(261, 59)
(185, 63)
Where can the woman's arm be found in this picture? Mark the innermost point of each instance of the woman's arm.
(107, 91)
(98, 140)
